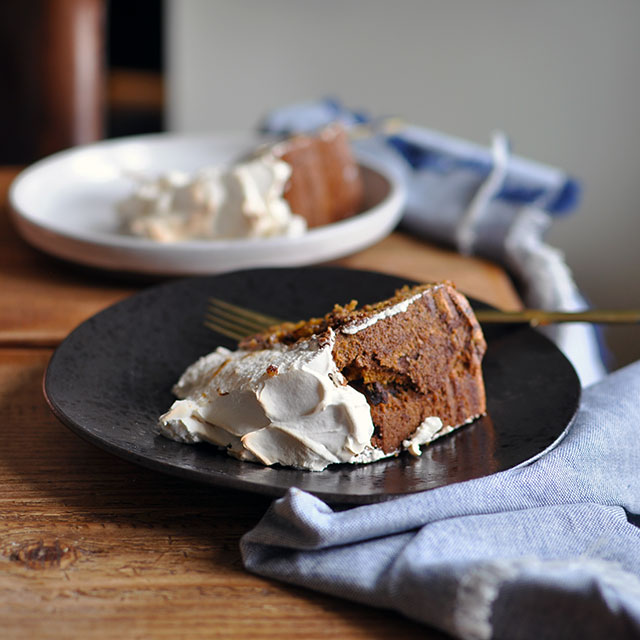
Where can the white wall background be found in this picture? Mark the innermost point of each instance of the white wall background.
(562, 78)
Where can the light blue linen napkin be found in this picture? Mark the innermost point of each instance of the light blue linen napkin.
(548, 550)
(480, 200)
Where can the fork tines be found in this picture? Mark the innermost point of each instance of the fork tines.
(236, 322)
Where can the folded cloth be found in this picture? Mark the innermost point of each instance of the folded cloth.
(482, 201)
(545, 550)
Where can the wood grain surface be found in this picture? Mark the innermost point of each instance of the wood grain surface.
(403, 255)
(45, 298)
(94, 547)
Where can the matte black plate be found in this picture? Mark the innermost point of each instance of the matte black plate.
(112, 377)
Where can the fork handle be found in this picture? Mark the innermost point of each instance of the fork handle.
(537, 317)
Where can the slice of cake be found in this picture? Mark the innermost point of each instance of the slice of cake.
(354, 386)
(325, 184)
(279, 190)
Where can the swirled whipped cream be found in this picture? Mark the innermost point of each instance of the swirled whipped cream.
(241, 201)
(287, 405)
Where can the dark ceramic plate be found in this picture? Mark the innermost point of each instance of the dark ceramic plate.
(112, 377)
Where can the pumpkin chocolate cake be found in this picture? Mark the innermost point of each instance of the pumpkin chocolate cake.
(413, 356)
(325, 185)
(356, 385)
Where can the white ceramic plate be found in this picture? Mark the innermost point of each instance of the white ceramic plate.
(65, 205)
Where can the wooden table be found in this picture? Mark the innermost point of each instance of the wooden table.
(94, 547)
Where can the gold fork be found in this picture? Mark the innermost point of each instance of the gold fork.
(237, 322)
(234, 321)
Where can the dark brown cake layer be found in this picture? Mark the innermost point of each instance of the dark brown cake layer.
(426, 361)
(420, 362)
(325, 184)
